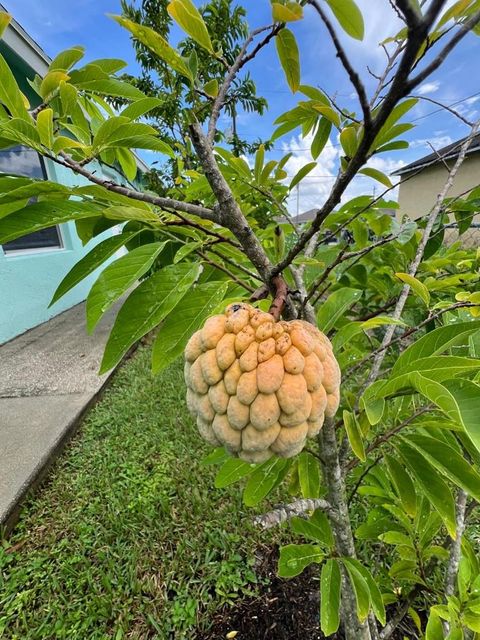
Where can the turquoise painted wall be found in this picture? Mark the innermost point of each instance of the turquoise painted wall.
(29, 279)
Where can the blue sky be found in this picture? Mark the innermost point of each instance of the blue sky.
(58, 24)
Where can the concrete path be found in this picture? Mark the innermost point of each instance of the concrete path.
(48, 378)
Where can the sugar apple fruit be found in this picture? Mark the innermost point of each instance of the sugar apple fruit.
(260, 387)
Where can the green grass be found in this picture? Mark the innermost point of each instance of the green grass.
(128, 538)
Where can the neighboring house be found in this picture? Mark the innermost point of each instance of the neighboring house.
(32, 267)
(423, 180)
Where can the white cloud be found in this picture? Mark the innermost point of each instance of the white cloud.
(428, 87)
(437, 142)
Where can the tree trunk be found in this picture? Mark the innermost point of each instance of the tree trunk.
(342, 530)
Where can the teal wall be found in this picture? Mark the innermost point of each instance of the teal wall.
(29, 279)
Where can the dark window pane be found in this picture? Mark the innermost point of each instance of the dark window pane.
(22, 161)
(37, 240)
(26, 162)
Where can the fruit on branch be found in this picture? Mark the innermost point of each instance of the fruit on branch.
(257, 386)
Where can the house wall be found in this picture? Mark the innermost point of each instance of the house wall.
(28, 279)
(418, 194)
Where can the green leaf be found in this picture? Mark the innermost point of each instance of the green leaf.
(317, 528)
(330, 597)
(140, 108)
(294, 558)
(211, 88)
(321, 137)
(90, 262)
(309, 475)
(189, 315)
(360, 588)
(5, 20)
(128, 163)
(186, 250)
(335, 306)
(431, 484)
(403, 485)
(265, 478)
(375, 595)
(348, 140)
(447, 460)
(112, 87)
(301, 173)
(45, 127)
(156, 44)
(434, 628)
(436, 342)
(418, 287)
(289, 12)
(377, 175)
(349, 17)
(42, 215)
(354, 434)
(51, 82)
(117, 278)
(10, 94)
(327, 111)
(189, 19)
(467, 398)
(259, 162)
(232, 471)
(67, 59)
(146, 307)
(288, 55)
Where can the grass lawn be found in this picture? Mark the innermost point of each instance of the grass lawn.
(128, 537)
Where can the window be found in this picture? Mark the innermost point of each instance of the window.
(26, 162)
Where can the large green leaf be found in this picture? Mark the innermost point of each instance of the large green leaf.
(309, 475)
(321, 137)
(94, 258)
(349, 16)
(10, 94)
(431, 483)
(301, 173)
(403, 485)
(66, 59)
(112, 87)
(335, 306)
(140, 107)
(146, 307)
(231, 471)
(354, 434)
(467, 398)
(317, 528)
(375, 595)
(294, 558)
(42, 215)
(189, 315)
(436, 342)
(117, 278)
(265, 478)
(289, 57)
(447, 460)
(330, 595)
(157, 44)
(185, 13)
(417, 287)
(360, 588)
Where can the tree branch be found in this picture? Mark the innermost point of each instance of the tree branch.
(165, 203)
(352, 74)
(287, 511)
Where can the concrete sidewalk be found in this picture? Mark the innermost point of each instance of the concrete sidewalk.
(48, 378)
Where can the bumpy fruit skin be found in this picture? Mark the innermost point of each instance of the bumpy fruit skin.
(260, 387)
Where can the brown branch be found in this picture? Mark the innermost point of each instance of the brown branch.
(260, 294)
(221, 267)
(342, 56)
(444, 106)
(165, 203)
(239, 62)
(466, 27)
(412, 19)
(281, 297)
